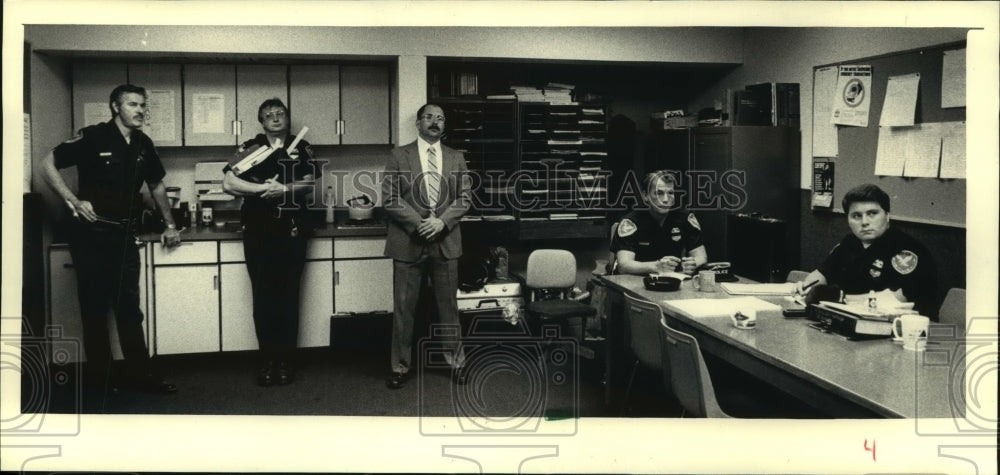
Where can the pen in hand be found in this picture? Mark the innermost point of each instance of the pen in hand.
(806, 287)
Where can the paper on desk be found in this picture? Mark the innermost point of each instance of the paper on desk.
(720, 307)
(677, 275)
(786, 288)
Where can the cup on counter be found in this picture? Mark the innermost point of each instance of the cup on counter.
(704, 281)
(912, 329)
(744, 319)
(206, 216)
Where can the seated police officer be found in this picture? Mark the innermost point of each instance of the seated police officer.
(876, 256)
(662, 238)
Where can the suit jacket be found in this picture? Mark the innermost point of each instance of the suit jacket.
(406, 203)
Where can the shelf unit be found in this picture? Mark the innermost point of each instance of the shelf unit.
(562, 157)
(485, 132)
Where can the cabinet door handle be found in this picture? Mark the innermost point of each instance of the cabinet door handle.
(336, 278)
(215, 282)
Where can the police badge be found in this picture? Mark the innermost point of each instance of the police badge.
(904, 262)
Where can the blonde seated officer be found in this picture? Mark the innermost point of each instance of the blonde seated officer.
(663, 237)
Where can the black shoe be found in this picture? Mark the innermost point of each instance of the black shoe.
(459, 376)
(152, 384)
(285, 373)
(265, 375)
(396, 380)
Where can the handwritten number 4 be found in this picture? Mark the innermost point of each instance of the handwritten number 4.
(872, 449)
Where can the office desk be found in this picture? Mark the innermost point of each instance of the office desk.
(841, 377)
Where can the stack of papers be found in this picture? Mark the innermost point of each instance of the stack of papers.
(696, 308)
(786, 288)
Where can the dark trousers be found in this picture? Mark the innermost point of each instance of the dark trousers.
(275, 262)
(408, 279)
(107, 275)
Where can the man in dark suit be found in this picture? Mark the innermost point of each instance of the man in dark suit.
(425, 193)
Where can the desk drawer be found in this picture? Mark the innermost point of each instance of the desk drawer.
(190, 252)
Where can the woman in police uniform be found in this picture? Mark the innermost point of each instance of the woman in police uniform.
(664, 238)
(276, 226)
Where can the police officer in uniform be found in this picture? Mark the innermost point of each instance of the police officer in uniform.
(113, 159)
(664, 238)
(276, 226)
(876, 256)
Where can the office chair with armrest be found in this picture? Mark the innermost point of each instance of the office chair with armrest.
(642, 327)
(688, 374)
(953, 307)
(552, 273)
(796, 276)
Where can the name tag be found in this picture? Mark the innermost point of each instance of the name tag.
(105, 154)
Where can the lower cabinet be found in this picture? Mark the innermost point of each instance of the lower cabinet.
(237, 308)
(362, 285)
(64, 307)
(187, 308)
(316, 304)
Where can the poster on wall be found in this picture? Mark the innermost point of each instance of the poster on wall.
(953, 79)
(852, 98)
(822, 196)
(900, 105)
(160, 120)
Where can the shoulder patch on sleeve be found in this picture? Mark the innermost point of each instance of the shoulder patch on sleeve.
(905, 262)
(626, 228)
(694, 221)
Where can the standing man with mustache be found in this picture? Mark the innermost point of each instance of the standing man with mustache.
(113, 159)
(425, 193)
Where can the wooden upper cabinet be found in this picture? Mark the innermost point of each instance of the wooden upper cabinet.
(315, 101)
(254, 85)
(209, 104)
(92, 86)
(364, 105)
(163, 102)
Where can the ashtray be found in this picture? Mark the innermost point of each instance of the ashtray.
(661, 283)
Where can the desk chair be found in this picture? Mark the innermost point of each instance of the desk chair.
(685, 370)
(796, 276)
(641, 325)
(549, 277)
(953, 308)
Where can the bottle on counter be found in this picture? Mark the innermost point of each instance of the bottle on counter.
(328, 198)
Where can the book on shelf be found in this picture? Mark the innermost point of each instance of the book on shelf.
(493, 97)
(592, 111)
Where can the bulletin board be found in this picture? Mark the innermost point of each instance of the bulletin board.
(926, 200)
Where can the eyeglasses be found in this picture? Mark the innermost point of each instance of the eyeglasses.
(433, 118)
(272, 115)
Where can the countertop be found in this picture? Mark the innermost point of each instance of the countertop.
(234, 231)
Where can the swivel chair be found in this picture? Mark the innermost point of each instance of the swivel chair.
(550, 276)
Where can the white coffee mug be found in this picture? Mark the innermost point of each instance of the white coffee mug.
(704, 281)
(912, 329)
(744, 319)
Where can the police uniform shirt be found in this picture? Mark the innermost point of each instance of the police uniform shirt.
(893, 261)
(255, 207)
(111, 171)
(640, 233)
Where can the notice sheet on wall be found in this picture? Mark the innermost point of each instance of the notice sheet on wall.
(95, 113)
(953, 150)
(900, 103)
(207, 114)
(160, 120)
(824, 139)
(923, 152)
(890, 157)
(953, 79)
(852, 98)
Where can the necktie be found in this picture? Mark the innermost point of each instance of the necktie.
(433, 178)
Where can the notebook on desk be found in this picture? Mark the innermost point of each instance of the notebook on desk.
(786, 288)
